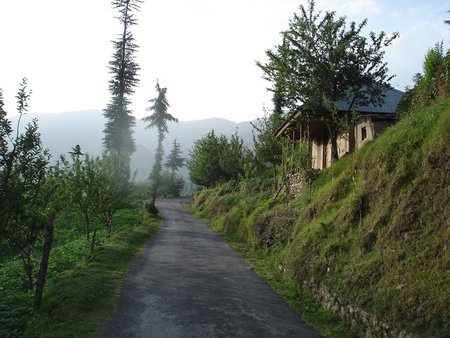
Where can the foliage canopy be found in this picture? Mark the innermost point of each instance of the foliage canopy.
(216, 159)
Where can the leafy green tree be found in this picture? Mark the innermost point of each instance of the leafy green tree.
(322, 62)
(124, 69)
(432, 84)
(204, 163)
(97, 189)
(24, 164)
(57, 196)
(158, 119)
(277, 98)
(215, 159)
(267, 149)
(233, 156)
(31, 194)
(5, 134)
(114, 186)
(5, 130)
(83, 186)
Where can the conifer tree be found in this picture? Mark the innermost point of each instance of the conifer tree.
(174, 160)
(124, 69)
(158, 119)
(173, 184)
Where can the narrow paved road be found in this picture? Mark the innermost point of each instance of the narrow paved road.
(188, 282)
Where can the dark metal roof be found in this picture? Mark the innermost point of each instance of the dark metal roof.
(391, 98)
(388, 109)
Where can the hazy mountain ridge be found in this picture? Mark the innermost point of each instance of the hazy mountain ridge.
(61, 132)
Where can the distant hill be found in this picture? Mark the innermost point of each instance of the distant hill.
(60, 132)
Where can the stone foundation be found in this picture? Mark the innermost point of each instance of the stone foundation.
(365, 323)
(295, 185)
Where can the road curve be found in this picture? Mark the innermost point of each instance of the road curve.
(188, 282)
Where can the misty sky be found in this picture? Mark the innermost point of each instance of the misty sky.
(203, 51)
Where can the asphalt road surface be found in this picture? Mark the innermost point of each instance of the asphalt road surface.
(188, 282)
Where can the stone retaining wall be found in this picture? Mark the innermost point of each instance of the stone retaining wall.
(365, 323)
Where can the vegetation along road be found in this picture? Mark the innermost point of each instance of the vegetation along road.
(188, 282)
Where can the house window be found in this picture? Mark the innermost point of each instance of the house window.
(363, 133)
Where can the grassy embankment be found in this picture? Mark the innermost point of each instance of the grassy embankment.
(79, 295)
(374, 229)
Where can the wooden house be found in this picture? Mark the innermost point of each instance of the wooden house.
(372, 121)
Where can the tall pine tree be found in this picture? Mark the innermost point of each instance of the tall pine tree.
(158, 119)
(174, 160)
(124, 69)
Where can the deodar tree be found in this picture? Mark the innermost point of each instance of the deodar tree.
(158, 119)
(321, 62)
(124, 69)
(172, 183)
(174, 160)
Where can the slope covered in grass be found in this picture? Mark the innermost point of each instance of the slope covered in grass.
(374, 230)
(377, 229)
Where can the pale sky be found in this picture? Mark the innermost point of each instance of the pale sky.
(203, 51)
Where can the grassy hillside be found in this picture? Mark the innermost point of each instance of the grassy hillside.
(372, 236)
(79, 296)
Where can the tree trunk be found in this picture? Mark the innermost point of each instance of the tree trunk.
(48, 242)
(27, 262)
(109, 225)
(334, 149)
(91, 249)
(87, 226)
(333, 136)
(156, 171)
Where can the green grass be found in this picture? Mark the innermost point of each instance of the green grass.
(373, 229)
(78, 301)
